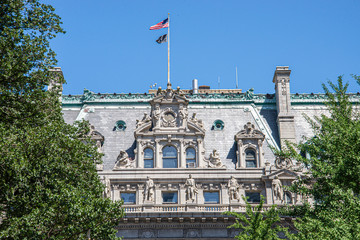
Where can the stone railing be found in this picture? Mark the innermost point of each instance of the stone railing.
(189, 208)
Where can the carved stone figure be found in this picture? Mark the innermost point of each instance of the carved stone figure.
(156, 116)
(183, 114)
(144, 120)
(196, 121)
(99, 146)
(191, 189)
(107, 191)
(283, 163)
(123, 161)
(149, 190)
(214, 160)
(234, 187)
(277, 189)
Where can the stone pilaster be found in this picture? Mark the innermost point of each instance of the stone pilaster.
(285, 119)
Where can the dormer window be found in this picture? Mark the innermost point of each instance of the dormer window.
(250, 150)
(120, 125)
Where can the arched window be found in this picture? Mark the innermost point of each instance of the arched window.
(190, 158)
(250, 158)
(170, 157)
(148, 158)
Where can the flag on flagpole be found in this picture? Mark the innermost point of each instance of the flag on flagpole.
(162, 39)
(160, 25)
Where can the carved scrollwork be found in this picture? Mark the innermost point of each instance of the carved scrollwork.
(283, 163)
(123, 161)
(168, 118)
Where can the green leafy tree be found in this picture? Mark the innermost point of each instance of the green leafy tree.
(333, 179)
(257, 224)
(49, 187)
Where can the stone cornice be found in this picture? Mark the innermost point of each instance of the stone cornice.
(213, 98)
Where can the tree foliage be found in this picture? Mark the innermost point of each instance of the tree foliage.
(333, 179)
(257, 224)
(49, 187)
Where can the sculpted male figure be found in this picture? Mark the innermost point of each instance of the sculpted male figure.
(191, 189)
(149, 190)
(233, 186)
(277, 189)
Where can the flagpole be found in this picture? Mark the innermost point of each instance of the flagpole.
(168, 50)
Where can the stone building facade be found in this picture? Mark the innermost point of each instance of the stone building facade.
(179, 159)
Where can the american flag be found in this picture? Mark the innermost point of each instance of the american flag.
(160, 25)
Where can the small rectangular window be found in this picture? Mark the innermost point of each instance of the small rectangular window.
(253, 197)
(128, 198)
(170, 197)
(211, 197)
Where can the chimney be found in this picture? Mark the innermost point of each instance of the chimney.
(285, 119)
(195, 85)
(57, 79)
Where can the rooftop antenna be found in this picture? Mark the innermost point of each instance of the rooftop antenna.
(236, 77)
(218, 82)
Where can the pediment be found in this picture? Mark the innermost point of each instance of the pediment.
(195, 128)
(249, 132)
(283, 174)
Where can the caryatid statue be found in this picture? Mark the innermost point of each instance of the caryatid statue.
(149, 190)
(234, 187)
(191, 189)
(277, 189)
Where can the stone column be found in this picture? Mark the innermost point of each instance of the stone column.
(285, 119)
(269, 192)
(182, 194)
(182, 155)
(261, 154)
(241, 163)
(157, 158)
(200, 160)
(139, 155)
(224, 194)
(140, 194)
(116, 193)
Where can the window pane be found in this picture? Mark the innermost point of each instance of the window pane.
(170, 197)
(211, 197)
(148, 163)
(169, 151)
(148, 153)
(251, 164)
(288, 199)
(129, 198)
(170, 163)
(190, 153)
(253, 197)
(250, 155)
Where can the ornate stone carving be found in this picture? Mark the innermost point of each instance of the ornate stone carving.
(215, 161)
(145, 119)
(278, 192)
(123, 161)
(149, 190)
(196, 121)
(168, 118)
(234, 187)
(250, 132)
(249, 95)
(107, 190)
(283, 163)
(156, 115)
(191, 189)
(183, 114)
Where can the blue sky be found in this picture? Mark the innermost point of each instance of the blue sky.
(108, 46)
